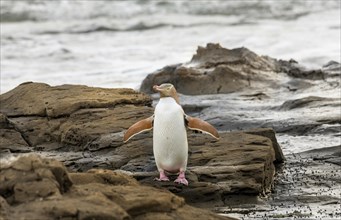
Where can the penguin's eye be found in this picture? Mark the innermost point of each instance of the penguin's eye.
(168, 88)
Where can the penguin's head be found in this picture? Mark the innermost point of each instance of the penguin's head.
(166, 90)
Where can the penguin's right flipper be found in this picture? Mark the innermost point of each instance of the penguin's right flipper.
(197, 124)
(139, 127)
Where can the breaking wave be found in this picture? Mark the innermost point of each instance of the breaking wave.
(14, 11)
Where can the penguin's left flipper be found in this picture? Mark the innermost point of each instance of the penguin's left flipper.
(139, 127)
(197, 124)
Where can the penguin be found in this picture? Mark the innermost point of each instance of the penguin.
(169, 122)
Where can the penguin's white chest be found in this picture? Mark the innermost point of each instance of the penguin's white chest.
(169, 136)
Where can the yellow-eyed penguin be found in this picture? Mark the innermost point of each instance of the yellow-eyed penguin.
(170, 145)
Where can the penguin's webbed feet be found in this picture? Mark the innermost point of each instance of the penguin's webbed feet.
(163, 177)
(181, 179)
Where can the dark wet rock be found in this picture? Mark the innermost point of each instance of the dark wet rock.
(293, 69)
(334, 160)
(296, 84)
(213, 70)
(329, 129)
(243, 111)
(311, 102)
(213, 55)
(35, 188)
(329, 119)
(328, 155)
(299, 129)
(332, 68)
(193, 109)
(332, 65)
(256, 96)
(217, 70)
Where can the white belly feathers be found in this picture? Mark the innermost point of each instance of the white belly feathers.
(169, 136)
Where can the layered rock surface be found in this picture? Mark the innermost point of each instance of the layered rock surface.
(87, 133)
(36, 188)
(62, 116)
(239, 163)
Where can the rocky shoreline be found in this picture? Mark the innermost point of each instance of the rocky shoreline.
(246, 96)
(36, 188)
(86, 132)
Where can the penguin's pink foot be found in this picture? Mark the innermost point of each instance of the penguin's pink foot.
(181, 179)
(163, 177)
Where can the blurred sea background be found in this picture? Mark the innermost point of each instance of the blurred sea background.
(117, 43)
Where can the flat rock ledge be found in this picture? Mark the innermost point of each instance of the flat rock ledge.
(83, 128)
(35, 188)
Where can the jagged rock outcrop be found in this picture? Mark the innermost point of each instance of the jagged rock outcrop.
(35, 188)
(215, 70)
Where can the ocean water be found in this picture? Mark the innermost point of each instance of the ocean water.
(117, 43)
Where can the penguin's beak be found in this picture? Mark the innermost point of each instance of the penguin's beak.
(157, 88)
